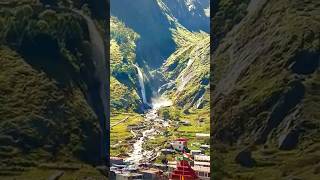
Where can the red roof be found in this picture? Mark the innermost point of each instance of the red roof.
(183, 170)
(182, 139)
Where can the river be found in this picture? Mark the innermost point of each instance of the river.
(152, 126)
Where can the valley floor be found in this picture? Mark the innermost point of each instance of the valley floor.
(184, 125)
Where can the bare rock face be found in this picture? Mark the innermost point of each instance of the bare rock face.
(289, 140)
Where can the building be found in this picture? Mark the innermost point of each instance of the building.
(195, 152)
(183, 171)
(205, 147)
(180, 144)
(202, 136)
(151, 173)
(162, 167)
(201, 165)
(202, 172)
(172, 165)
(202, 158)
(116, 160)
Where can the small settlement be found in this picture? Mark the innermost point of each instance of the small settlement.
(188, 164)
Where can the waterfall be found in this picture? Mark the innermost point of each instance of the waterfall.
(98, 93)
(98, 57)
(141, 82)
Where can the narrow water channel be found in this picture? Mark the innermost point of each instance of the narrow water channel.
(152, 126)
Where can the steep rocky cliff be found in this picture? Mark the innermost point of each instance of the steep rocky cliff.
(265, 92)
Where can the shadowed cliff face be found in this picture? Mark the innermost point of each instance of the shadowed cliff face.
(265, 72)
(153, 20)
(192, 14)
(155, 43)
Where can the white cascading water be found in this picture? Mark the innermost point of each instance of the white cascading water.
(141, 82)
(99, 61)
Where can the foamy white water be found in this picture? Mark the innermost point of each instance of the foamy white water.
(159, 102)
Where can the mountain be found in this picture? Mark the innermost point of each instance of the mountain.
(187, 70)
(163, 34)
(265, 92)
(52, 85)
(192, 14)
(152, 20)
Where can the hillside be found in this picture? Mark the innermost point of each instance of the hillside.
(52, 104)
(124, 90)
(187, 70)
(265, 94)
(153, 23)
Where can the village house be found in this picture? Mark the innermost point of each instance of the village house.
(201, 165)
(183, 170)
(116, 160)
(195, 152)
(202, 136)
(202, 172)
(205, 147)
(180, 144)
(150, 173)
(202, 158)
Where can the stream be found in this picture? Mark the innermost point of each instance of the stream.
(153, 125)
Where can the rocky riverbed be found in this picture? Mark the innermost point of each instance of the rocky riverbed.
(152, 126)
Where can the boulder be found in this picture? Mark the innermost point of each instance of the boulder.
(244, 158)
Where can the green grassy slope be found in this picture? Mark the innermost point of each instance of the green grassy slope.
(46, 77)
(187, 70)
(123, 83)
(265, 92)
